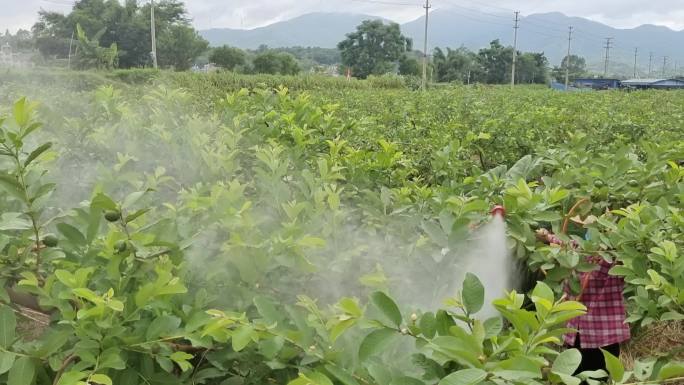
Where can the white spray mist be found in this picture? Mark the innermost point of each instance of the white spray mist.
(490, 259)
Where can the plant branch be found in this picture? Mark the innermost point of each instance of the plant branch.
(67, 361)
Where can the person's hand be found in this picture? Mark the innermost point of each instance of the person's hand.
(544, 235)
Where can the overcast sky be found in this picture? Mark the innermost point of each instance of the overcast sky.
(254, 13)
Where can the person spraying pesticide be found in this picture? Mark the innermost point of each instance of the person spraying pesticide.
(604, 325)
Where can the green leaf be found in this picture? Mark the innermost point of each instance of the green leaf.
(542, 290)
(241, 337)
(671, 370)
(8, 326)
(88, 295)
(672, 316)
(567, 362)
(350, 306)
(6, 361)
(267, 308)
(36, 153)
(111, 359)
(14, 221)
(72, 234)
(162, 326)
(387, 306)
(473, 294)
(342, 376)
(103, 202)
(614, 366)
(428, 325)
(436, 234)
(493, 327)
(23, 372)
(547, 216)
(12, 186)
(181, 359)
(72, 377)
(465, 377)
(375, 342)
(643, 369)
(314, 378)
(132, 198)
(318, 378)
(131, 217)
(340, 328)
(101, 379)
(22, 112)
(52, 342)
(407, 381)
(568, 379)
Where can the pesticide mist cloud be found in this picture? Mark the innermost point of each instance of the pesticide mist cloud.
(16, 14)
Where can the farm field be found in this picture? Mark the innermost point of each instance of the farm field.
(186, 230)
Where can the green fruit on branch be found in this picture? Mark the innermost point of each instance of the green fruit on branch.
(121, 246)
(50, 241)
(112, 216)
(633, 183)
(599, 183)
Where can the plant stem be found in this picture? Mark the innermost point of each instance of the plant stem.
(67, 361)
(29, 206)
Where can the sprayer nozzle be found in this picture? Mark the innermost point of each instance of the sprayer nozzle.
(498, 210)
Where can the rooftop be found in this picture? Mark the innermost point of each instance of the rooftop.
(650, 81)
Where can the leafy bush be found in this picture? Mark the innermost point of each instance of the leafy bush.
(235, 232)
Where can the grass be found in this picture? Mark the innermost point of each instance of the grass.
(653, 341)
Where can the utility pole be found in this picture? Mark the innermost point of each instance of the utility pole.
(425, 45)
(664, 65)
(71, 43)
(608, 46)
(515, 47)
(567, 60)
(636, 55)
(650, 64)
(153, 32)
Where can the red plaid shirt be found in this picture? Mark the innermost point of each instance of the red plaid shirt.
(604, 324)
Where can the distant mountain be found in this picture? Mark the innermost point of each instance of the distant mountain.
(323, 30)
(453, 27)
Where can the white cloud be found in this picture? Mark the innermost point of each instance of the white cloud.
(254, 13)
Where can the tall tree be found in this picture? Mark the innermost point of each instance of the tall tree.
(576, 65)
(227, 57)
(127, 25)
(409, 66)
(496, 63)
(272, 62)
(178, 46)
(373, 48)
(457, 65)
(92, 55)
(532, 68)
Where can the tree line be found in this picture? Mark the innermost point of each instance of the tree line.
(96, 30)
(376, 48)
(112, 34)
